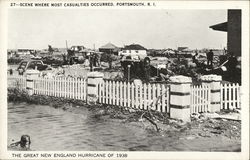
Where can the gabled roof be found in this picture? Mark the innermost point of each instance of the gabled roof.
(108, 46)
(134, 47)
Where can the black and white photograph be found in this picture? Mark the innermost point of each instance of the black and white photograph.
(103, 80)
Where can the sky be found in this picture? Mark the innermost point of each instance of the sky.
(151, 28)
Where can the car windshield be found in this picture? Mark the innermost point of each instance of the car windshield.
(22, 65)
(38, 62)
(31, 65)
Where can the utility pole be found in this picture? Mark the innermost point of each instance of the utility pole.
(66, 44)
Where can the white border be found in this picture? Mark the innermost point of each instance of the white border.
(244, 5)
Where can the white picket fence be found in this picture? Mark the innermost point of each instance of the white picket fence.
(17, 82)
(67, 87)
(200, 98)
(142, 96)
(230, 96)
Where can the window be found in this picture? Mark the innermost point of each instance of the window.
(22, 65)
(31, 65)
(136, 51)
(38, 63)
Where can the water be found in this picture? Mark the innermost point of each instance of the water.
(58, 130)
(77, 129)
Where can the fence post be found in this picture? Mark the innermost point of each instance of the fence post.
(180, 100)
(31, 75)
(214, 82)
(94, 78)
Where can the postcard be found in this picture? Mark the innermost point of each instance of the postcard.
(124, 80)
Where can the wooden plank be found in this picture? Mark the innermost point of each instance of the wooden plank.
(203, 99)
(149, 99)
(168, 98)
(207, 100)
(114, 96)
(60, 86)
(124, 94)
(226, 97)
(106, 92)
(141, 98)
(133, 95)
(110, 92)
(85, 89)
(238, 95)
(117, 93)
(136, 96)
(196, 99)
(199, 96)
(163, 100)
(55, 89)
(121, 93)
(221, 96)
(47, 86)
(191, 99)
(230, 95)
(80, 88)
(144, 98)
(73, 88)
(154, 97)
(68, 87)
(159, 96)
(234, 95)
(129, 96)
(76, 88)
(42, 87)
(64, 87)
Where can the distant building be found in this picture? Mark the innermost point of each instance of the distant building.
(233, 29)
(25, 51)
(180, 49)
(134, 50)
(109, 48)
(77, 48)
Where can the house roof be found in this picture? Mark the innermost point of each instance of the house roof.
(220, 27)
(134, 47)
(109, 46)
